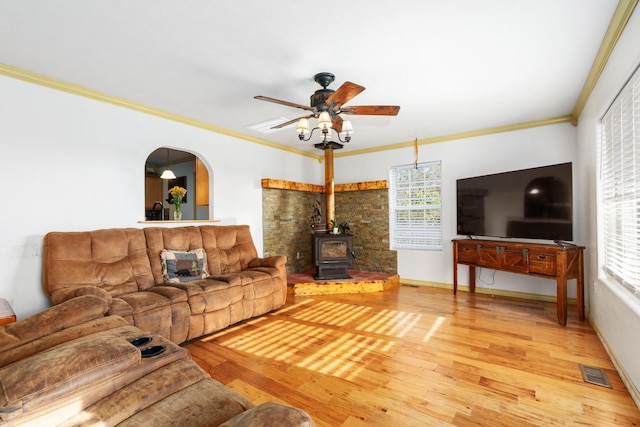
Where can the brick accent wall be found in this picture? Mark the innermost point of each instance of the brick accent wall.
(367, 213)
(286, 226)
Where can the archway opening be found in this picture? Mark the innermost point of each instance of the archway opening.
(190, 173)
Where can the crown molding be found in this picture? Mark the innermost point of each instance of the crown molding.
(619, 21)
(71, 88)
(462, 135)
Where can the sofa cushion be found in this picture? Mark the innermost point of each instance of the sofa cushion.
(148, 390)
(29, 383)
(173, 239)
(71, 313)
(53, 339)
(183, 266)
(229, 248)
(150, 311)
(271, 414)
(112, 259)
(205, 403)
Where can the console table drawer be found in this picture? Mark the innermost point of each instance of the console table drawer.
(468, 254)
(542, 264)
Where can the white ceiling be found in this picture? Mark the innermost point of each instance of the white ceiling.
(453, 66)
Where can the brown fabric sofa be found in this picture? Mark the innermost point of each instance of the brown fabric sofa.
(124, 267)
(72, 366)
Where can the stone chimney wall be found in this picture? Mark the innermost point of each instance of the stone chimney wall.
(287, 218)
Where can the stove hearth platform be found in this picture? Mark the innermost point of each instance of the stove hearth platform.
(361, 281)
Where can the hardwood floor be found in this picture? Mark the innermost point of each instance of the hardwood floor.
(420, 357)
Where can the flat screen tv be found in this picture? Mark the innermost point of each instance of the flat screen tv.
(531, 203)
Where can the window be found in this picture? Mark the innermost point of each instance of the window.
(620, 186)
(415, 207)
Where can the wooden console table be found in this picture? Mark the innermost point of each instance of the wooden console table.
(559, 262)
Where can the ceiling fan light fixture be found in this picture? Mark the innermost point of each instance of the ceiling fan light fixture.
(303, 126)
(324, 120)
(168, 174)
(347, 127)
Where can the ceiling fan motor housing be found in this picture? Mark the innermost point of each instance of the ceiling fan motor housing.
(324, 79)
(319, 99)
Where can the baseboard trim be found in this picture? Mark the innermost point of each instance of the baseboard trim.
(487, 291)
(633, 391)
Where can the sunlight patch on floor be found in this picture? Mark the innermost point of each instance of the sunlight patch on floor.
(308, 337)
(434, 328)
(345, 356)
(391, 322)
(331, 313)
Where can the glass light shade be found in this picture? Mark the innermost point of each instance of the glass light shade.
(168, 174)
(324, 120)
(303, 126)
(347, 128)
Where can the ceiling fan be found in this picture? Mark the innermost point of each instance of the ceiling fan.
(331, 102)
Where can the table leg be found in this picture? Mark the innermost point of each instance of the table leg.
(562, 300)
(472, 278)
(455, 278)
(580, 286)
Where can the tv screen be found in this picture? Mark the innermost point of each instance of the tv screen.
(531, 203)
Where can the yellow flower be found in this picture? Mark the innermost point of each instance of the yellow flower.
(178, 193)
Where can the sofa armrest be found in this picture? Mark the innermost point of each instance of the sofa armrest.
(63, 294)
(54, 319)
(276, 261)
(271, 414)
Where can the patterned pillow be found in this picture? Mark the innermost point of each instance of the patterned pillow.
(180, 266)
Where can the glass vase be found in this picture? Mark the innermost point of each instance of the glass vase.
(177, 215)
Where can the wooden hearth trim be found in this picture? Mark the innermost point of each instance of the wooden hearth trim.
(339, 188)
(359, 186)
(290, 185)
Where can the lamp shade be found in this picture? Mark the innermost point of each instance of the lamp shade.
(303, 126)
(168, 174)
(347, 128)
(324, 120)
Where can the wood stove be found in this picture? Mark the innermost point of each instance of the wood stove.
(332, 255)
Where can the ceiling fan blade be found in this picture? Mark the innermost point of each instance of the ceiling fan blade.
(372, 110)
(344, 94)
(287, 123)
(279, 101)
(337, 123)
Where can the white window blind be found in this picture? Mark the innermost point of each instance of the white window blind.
(620, 186)
(415, 206)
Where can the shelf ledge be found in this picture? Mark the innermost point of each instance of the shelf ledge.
(173, 221)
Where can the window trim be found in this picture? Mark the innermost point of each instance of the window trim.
(402, 236)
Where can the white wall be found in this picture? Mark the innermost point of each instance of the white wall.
(614, 312)
(71, 163)
(460, 159)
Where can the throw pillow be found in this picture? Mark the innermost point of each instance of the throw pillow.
(180, 266)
